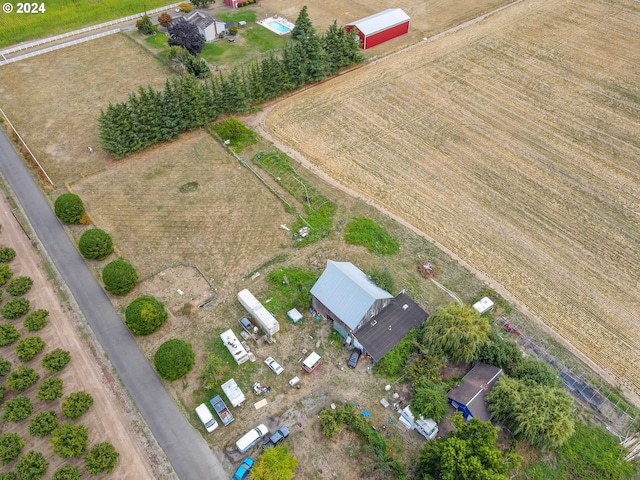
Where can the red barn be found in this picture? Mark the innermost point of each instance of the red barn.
(380, 27)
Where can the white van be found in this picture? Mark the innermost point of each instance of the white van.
(250, 438)
(205, 416)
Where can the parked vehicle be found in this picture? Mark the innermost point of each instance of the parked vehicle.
(233, 393)
(221, 409)
(243, 469)
(353, 359)
(250, 438)
(206, 417)
(246, 324)
(276, 438)
(312, 362)
(273, 365)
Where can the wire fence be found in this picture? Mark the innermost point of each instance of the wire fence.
(617, 414)
(26, 46)
(24, 56)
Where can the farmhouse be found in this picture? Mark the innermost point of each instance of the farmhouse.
(209, 27)
(468, 398)
(385, 330)
(236, 3)
(346, 296)
(380, 27)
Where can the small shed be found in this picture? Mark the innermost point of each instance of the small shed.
(468, 397)
(483, 305)
(294, 315)
(311, 362)
(380, 27)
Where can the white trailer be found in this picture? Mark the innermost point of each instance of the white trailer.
(233, 393)
(260, 314)
(234, 346)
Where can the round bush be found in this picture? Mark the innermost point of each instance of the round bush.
(119, 277)
(5, 273)
(5, 366)
(15, 308)
(50, 389)
(28, 348)
(69, 440)
(36, 320)
(19, 285)
(95, 244)
(174, 359)
(67, 472)
(76, 405)
(43, 423)
(56, 360)
(8, 334)
(7, 254)
(22, 378)
(102, 457)
(69, 208)
(10, 446)
(32, 466)
(16, 409)
(145, 315)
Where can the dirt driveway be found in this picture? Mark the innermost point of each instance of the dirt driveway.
(110, 418)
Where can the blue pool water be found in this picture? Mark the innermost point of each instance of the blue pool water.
(278, 26)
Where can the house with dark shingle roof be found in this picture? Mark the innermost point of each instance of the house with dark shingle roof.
(386, 329)
(347, 296)
(468, 397)
(209, 26)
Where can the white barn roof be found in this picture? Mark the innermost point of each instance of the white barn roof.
(381, 21)
(347, 292)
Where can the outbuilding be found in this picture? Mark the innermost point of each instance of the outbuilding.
(468, 397)
(380, 27)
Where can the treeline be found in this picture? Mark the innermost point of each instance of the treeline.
(149, 116)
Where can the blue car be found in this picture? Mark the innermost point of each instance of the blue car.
(243, 470)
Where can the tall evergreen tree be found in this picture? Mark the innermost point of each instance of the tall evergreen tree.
(214, 98)
(273, 76)
(341, 48)
(171, 112)
(314, 59)
(293, 63)
(116, 133)
(235, 94)
(304, 27)
(255, 88)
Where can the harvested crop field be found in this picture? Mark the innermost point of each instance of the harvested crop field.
(187, 202)
(54, 100)
(514, 144)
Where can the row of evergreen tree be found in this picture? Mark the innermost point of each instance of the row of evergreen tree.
(149, 116)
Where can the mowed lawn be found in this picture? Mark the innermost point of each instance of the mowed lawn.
(515, 144)
(227, 225)
(54, 100)
(61, 16)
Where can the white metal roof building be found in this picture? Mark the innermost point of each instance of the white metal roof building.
(234, 346)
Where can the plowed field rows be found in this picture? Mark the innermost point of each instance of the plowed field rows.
(514, 143)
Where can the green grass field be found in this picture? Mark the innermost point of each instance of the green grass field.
(256, 40)
(62, 16)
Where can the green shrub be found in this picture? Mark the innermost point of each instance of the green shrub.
(56, 360)
(95, 244)
(7, 254)
(174, 359)
(19, 286)
(102, 457)
(233, 30)
(69, 208)
(8, 334)
(8, 476)
(185, 7)
(36, 320)
(76, 405)
(366, 232)
(43, 423)
(32, 466)
(198, 67)
(5, 367)
(119, 277)
(16, 409)
(145, 315)
(237, 133)
(11, 445)
(15, 308)
(50, 389)
(28, 348)
(383, 279)
(69, 440)
(144, 25)
(22, 378)
(67, 472)
(5, 273)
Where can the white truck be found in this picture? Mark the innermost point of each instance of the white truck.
(233, 393)
(260, 314)
(250, 438)
(205, 416)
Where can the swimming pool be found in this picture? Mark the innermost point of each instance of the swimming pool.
(281, 28)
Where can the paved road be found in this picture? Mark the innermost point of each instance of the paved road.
(187, 451)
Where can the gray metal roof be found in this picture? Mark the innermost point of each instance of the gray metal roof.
(388, 327)
(347, 292)
(381, 21)
(200, 19)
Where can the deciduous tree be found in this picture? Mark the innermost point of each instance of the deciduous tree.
(7, 254)
(144, 25)
(429, 400)
(67, 472)
(174, 359)
(50, 389)
(145, 315)
(76, 405)
(119, 277)
(32, 466)
(11, 445)
(185, 34)
(36, 320)
(28, 348)
(102, 457)
(69, 208)
(164, 19)
(19, 286)
(8, 334)
(69, 440)
(43, 423)
(56, 360)
(22, 378)
(16, 409)
(15, 308)
(275, 464)
(95, 244)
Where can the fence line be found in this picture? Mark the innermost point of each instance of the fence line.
(26, 147)
(59, 46)
(62, 36)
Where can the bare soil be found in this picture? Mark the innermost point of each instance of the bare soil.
(513, 144)
(110, 417)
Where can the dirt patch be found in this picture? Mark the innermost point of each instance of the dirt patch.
(486, 142)
(110, 418)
